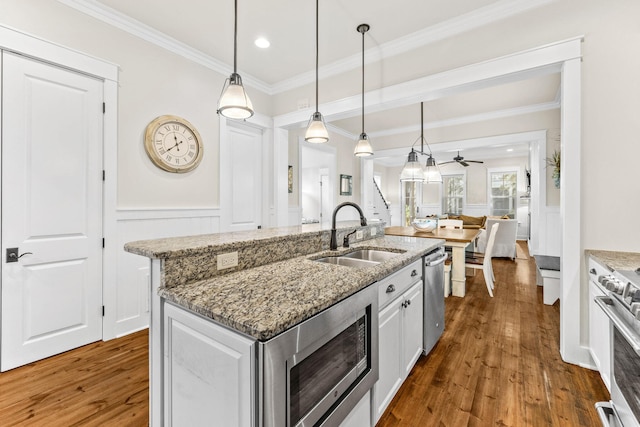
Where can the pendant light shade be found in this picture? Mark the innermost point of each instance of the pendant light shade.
(413, 170)
(316, 129)
(432, 171)
(363, 147)
(234, 102)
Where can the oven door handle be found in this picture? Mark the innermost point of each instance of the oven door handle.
(629, 334)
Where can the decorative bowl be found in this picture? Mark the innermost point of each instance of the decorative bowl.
(425, 225)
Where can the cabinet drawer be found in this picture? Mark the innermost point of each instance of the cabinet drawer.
(395, 284)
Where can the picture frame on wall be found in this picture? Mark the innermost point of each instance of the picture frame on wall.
(346, 185)
(290, 178)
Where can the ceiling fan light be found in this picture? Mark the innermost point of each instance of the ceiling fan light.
(316, 129)
(363, 147)
(413, 170)
(234, 102)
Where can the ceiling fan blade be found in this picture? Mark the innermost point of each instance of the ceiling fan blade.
(463, 163)
(474, 161)
(444, 163)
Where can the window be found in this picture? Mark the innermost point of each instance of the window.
(452, 194)
(411, 200)
(503, 193)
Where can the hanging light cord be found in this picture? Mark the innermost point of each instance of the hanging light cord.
(363, 81)
(422, 139)
(317, 44)
(235, 35)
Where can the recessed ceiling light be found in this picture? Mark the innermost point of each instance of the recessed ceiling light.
(262, 43)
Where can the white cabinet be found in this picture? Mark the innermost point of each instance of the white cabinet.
(400, 328)
(599, 329)
(208, 372)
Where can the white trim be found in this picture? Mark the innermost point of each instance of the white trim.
(573, 302)
(473, 118)
(134, 27)
(34, 47)
(452, 27)
(518, 66)
(165, 213)
(460, 24)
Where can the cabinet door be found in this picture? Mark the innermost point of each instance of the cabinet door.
(599, 336)
(412, 325)
(207, 372)
(390, 369)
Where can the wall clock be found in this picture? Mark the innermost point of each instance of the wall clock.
(173, 144)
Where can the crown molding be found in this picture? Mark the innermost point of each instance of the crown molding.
(463, 23)
(452, 27)
(134, 27)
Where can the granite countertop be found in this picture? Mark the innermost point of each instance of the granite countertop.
(267, 300)
(616, 260)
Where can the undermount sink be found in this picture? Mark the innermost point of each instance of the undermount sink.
(375, 255)
(359, 258)
(348, 262)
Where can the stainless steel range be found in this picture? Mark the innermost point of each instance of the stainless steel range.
(622, 306)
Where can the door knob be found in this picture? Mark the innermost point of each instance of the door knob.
(12, 254)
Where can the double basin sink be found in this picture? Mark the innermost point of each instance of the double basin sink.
(360, 258)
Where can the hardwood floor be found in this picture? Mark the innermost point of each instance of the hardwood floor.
(496, 364)
(101, 384)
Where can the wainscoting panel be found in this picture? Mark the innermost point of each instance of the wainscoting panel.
(127, 300)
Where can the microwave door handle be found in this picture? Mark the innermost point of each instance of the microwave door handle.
(629, 334)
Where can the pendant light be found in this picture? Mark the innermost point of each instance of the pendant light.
(316, 129)
(412, 168)
(234, 102)
(363, 147)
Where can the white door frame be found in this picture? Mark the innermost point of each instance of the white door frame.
(333, 170)
(563, 57)
(42, 50)
(264, 124)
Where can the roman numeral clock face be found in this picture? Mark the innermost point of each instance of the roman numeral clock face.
(173, 144)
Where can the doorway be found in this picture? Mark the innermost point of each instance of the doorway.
(317, 182)
(52, 214)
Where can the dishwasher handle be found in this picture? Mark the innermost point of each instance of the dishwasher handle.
(621, 325)
(437, 261)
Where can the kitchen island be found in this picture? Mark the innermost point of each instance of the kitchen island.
(275, 285)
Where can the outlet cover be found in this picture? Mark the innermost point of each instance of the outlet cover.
(227, 260)
(359, 234)
(374, 231)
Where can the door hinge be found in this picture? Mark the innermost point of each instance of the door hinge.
(103, 311)
(104, 107)
(103, 174)
(103, 243)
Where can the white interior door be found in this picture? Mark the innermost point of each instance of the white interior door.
(51, 210)
(245, 151)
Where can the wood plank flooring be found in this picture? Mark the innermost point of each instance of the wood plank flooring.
(497, 364)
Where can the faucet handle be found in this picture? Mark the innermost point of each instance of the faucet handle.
(345, 243)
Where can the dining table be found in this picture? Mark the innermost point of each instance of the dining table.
(455, 238)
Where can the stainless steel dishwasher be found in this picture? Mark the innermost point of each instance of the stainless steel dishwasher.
(433, 276)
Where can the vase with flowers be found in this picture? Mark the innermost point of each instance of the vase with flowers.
(554, 161)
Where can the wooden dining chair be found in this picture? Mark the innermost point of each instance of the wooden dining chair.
(483, 261)
(450, 223)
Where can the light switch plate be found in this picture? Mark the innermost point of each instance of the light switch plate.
(374, 231)
(227, 260)
(359, 234)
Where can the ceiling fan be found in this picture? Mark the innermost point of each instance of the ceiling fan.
(461, 160)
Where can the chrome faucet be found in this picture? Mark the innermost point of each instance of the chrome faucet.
(333, 244)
